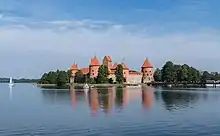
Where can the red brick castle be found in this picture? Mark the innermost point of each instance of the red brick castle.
(132, 77)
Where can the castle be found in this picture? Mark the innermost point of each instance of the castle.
(131, 76)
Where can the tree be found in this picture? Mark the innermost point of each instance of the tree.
(205, 76)
(168, 72)
(196, 76)
(62, 78)
(157, 75)
(69, 73)
(43, 79)
(182, 74)
(52, 77)
(119, 74)
(79, 77)
(102, 74)
(110, 80)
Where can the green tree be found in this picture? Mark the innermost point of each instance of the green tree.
(182, 75)
(44, 79)
(205, 76)
(102, 74)
(196, 76)
(157, 75)
(52, 77)
(79, 77)
(62, 78)
(69, 73)
(119, 74)
(168, 72)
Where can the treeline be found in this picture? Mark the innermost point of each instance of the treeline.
(174, 73)
(59, 77)
(22, 80)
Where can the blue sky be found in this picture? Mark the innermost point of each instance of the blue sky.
(41, 35)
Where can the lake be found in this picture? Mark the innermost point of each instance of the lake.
(27, 110)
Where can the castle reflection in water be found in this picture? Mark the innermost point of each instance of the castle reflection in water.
(109, 99)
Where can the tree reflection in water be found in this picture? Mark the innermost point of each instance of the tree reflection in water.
(178, 99)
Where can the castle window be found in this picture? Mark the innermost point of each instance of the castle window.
(147, 74)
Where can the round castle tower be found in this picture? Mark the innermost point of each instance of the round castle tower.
(94, 67)
(148, 72)
(74, 69)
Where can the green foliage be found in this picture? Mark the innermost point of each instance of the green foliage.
(119, 74)
(62, 78)
(169, 73)
(102, 74)
(111, 81)
(79, 77)
(52, 77)
(157, 75)
(173, 73)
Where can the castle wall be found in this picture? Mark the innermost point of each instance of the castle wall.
(134, 78)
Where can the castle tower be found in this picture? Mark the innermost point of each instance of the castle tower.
(74, 69)
(107, 61)
(94, 67)
(125, 71)
(148, 72)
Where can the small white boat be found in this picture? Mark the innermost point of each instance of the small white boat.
(11, 82)
(86, 86)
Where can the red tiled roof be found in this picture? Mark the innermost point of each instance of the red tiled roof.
(108, 58)
(124, 66)
(134, 73)
(94, 62)
(74, 67)
(147, 64)
(85, 70)
(114, 66)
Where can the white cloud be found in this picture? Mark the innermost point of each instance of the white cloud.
(79, 42)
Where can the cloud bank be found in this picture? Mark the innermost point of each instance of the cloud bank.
(29, 48)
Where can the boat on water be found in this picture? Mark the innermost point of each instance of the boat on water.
(11, 83)
(86, 87)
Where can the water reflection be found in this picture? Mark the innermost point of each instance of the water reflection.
(10, 92)
(178, 99)
(73, 97)
(147, 97)
(94, 102)
(106, 100)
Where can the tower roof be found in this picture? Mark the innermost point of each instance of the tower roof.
(114, 66)
(74, 67)
(108, 58)
(84, 70)
(94, 62)
(124, 66)
(147, 64)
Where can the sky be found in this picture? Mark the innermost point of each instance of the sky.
(41, 35)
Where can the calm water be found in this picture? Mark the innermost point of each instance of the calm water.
(30, 111)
